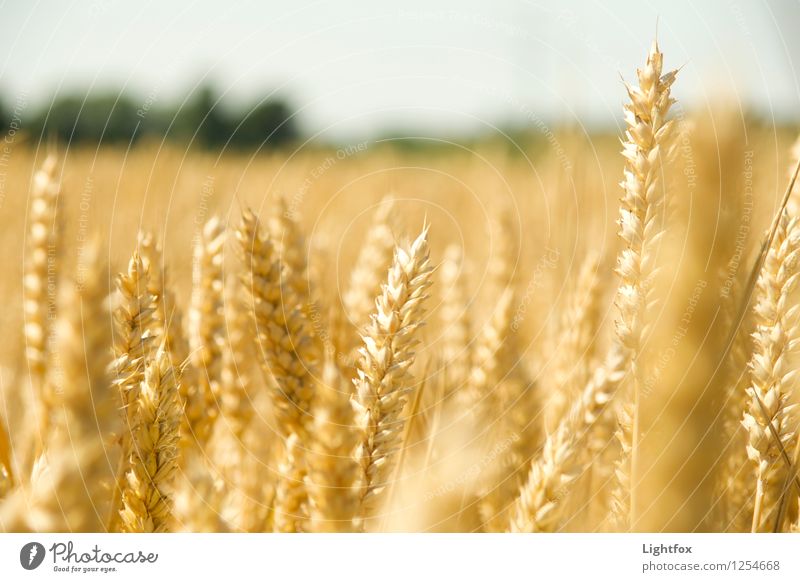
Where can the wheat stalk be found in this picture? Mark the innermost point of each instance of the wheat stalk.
(70, 483)
(206, 329)
(40, 284)
(539, 506)
(735, 482)
(236, 403)
(134, 333)
(769, 417)
(384, 380)
(456, 339)
(291, 496)
(333, 471)
(290, 244)
(576, 346)
(648, 145)
(146, 496)
(169, 316)
(281, 329)
(498, 400)
(367, 275)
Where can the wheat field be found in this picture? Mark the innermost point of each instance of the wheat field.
(593, 337)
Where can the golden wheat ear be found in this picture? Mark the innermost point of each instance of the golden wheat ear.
(40, 286)
(770, 418)
(540, 505)
(169, 315)
(135, 330)
(280, 327)
(206, 332)
(648, 145)
(333, 472)
(69, 487)
(384, 380)
(368, 273)
(455, 320)
(147, 492)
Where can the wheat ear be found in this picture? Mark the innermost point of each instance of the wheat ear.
(770, 419)
(647, 146)
(70, 484)
(235, 401)
(384, 380)
(169, 316)
(333, 471)
(735, 481)
(206, 330)
(374, 258)
(539, 506)
(281, 329)
(40, 283)
(456, 338)
(290, 244)
(135, 325)
(291, 495)
(287, 356)
(146, 496)
(576, 347)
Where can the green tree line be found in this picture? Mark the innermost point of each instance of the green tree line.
(119, 118)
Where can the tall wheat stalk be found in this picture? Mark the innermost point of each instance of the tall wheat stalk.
(206, 330)
(169, 315)
(770, 419)
(40, 285)
(384, 380)
(333, 473)
(368, 273)
(291, 496)
(648, 145)
(577, 344)
(539, 507)
(455, 319)
(146, 495)
(134, 319)
(69, 488)
(281, 328)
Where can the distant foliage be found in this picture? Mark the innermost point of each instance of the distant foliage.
(202, 119)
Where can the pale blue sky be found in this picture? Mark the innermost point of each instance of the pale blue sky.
(360, 67)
